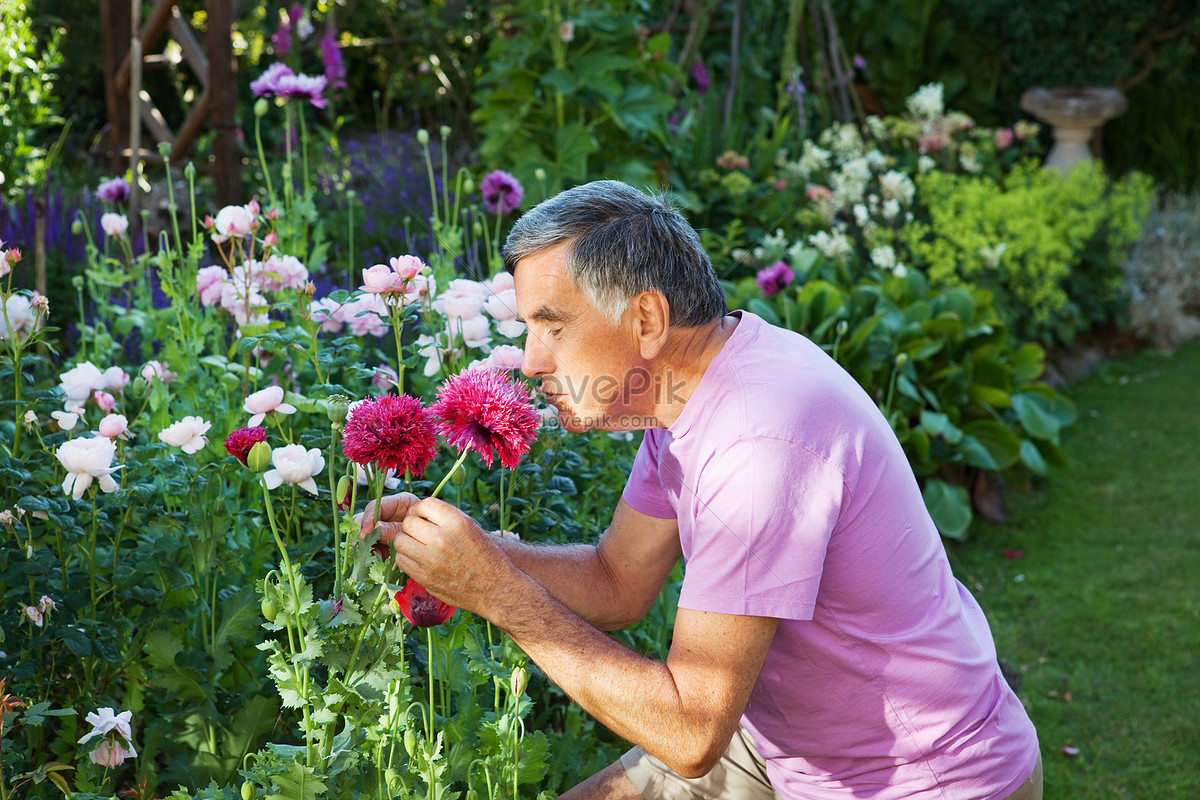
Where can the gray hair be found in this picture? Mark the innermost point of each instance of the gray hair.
(624, 242)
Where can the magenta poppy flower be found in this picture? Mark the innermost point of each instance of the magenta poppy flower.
(774, 278)
(502, 192)
(113, 191)
(489, 412)
(391, 432)
(267, 84)
(239, 442)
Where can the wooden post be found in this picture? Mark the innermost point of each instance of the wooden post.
(223, 101)
(115, 24)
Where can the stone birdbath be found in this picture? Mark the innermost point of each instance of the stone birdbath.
(1074, 114)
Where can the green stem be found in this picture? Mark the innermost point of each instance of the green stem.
(262, 159)
(454, 469)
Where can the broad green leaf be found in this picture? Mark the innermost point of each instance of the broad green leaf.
(950, 508)
(990, 445)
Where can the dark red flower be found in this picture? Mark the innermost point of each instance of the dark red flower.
(485, 410)
(240, 441)
(420, 607)
(390, 432)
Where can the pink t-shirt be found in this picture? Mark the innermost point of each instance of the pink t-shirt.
(795, 500)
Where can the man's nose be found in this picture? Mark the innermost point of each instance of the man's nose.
(537, 359)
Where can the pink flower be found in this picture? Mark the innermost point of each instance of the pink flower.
(65, 419)
(325, 311)
(566, 31)
(114, 225)
(365, 315)
(104, 401)
(456, 304)
(266, 401)
(385, 378)
(774, 278)
(302, 87)
(475, 332)
(502, 192)
(33, 615)
(293, 464)
(113, 426)
(505, 357)
(488, 412)
(239, 442)
(156, 370)
(331, 57)
(1003, 138)
(502, 306)
(420, 607)
(267, 84)
(209, 281)
(407, 267)
(382, 279)
(392, 432)
(114, 378)
(283, 272)
(111, 754)
(501, 282)
(113, 191)
(187, 434)
(87, 459)
(79, 382)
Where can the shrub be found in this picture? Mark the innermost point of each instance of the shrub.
(28, 112)
(1162, 274)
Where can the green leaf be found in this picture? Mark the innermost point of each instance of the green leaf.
(950, 508)
(990, 445)
(162, 648)
(299, 782)
(937, 424)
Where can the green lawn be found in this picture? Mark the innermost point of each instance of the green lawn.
(1099, 607)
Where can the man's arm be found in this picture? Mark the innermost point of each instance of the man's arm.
(610, 584)
(683, 711)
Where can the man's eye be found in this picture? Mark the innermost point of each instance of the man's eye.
(555, 333)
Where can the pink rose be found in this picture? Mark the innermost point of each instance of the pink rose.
(266, 401)
(113, 426)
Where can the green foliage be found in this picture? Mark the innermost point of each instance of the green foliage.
(573, 91)
(1050, 248)
(962, 399)
(28, 107)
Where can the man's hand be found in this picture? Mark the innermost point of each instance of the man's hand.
(392, 511)
(445, 551)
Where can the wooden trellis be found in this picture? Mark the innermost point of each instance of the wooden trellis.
(213, 65)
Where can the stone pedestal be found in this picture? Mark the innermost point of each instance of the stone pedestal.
(1074, 114)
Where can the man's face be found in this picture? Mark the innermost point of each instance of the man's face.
(586, 364)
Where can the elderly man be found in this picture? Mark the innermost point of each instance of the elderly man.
(822, 648)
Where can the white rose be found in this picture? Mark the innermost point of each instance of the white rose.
(294, 464)
(86, 459)
(187, 434)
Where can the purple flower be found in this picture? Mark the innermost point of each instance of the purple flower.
(772, 279)
(302, 87)
(502, 192)
(700, 75)
(281, 39)
(331, 55)
(268, 83)
(860, 63)
(113, 191)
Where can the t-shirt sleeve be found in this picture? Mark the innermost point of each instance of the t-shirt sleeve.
(765, 510)
(644, 491)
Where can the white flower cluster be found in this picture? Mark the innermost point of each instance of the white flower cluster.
(468, 314)
(928, 102)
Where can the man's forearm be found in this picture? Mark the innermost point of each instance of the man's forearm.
(574, 575)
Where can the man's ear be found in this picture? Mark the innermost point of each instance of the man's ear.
(651, 320)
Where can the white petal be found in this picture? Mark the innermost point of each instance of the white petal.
(308, 484)
(82, 482)
(272, 479)
(107, 484)
(285, 408)
(255, 421)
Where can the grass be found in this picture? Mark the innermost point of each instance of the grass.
(1093, 587)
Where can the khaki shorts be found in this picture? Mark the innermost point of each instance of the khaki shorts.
(741, 774)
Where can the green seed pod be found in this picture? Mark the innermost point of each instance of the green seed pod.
(339, 407)
(260, 107)
(423, 136)
(410, 742)
(247, 791)
(519, 680)
(269, 612)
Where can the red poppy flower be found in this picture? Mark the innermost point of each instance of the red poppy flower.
(420, 607)
(487, 411)
(240, 441)
(390, 432)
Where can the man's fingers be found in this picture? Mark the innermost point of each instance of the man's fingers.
(393, 508)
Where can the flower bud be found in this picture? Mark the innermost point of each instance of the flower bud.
(77, 227)
(445, 131)
(259, 457)
(247, 791)
(519, 680)
(189, 172)
(344, 494)
(842, 327)
(539, 175)
(260, 107)
(423, 136)
(901, 360)
(410, 742)
(469, 185)
(269, 609)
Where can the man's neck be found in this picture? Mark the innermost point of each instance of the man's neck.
(677, 371)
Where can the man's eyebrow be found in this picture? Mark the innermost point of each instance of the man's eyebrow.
(546, 314)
